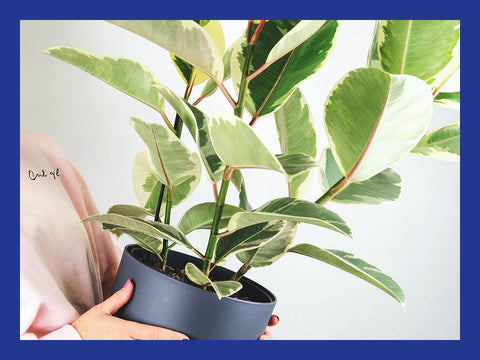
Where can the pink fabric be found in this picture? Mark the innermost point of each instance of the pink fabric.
(66, 266)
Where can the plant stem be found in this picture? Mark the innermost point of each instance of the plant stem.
(216, 221)
(238, 111)
(244, 268)
(167, 122)
(159, 203)
(251, 41)
(238, 275)
(168, 211)
(177, 129)
(334, 190)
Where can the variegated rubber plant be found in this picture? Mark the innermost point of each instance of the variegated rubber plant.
(373, 116)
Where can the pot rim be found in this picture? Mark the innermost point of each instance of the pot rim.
(268, 294)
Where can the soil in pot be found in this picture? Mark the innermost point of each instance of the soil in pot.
(180, 275)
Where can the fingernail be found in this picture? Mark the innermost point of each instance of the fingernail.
(272, 322)
(127, 285)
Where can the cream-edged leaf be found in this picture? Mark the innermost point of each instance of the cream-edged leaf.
(291, 209)
(200, 216)
(169, 159)
(183, 38)
(442, 143)
(427, 49)
(373, 118)
(237, 144)
(128, 76)
(355, 266)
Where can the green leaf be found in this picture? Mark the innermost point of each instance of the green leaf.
(169, 159)
(442, 143)
(372, 58)
(211, 86)
(426, 49)
(148, 242)
(300, 33)
(273, 250)
(237, 144)
(126, 75)
(363, 115)
(222, 288)
(172, 232)
(448, 99)
(291, 209)
(125, 210)
(226, 288)
(269, 90)
(381, 188)
(355, 266)
(196, 275)
(130, 210)
(200, 216)
(296, 134)
(183, 38)
(147, 187)
(295, 164)
(329, 173)
(197, 124)
(239, 182)
(143, 226)
(249, 237)
(189, 73)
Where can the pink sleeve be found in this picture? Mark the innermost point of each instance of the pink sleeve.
(66, 266)
(66, 332)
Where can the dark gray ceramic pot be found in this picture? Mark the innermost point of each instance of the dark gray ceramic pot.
(163, 301)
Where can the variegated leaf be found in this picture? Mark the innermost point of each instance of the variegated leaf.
(363, 115)
(128, 76)
(237, 144)
(183, 38)
(143, 226)
(355, 266)
(382, 187)
(296, 134)
(427, 49)
(222, 288)
(200, 216)
(273, 250)
(169, 159)
(291, 209)
(147, 187)
(442, 143)
(188, 72)
(249, 237)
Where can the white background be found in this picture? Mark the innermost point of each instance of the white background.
(416, 240)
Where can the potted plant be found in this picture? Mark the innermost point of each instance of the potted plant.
(373, 116)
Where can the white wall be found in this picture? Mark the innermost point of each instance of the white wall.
(416, 239)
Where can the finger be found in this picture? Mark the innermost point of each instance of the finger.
(267, 335)
(274, 319)
(117, 300)
(147, 332)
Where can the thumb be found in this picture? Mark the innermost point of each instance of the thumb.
(117, 300)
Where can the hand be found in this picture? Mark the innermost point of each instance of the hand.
(99, 324)
(267, 335)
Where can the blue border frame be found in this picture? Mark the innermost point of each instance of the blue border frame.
(381, 349)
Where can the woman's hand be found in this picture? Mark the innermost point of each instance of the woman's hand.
(267, 335)
(99, 324)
